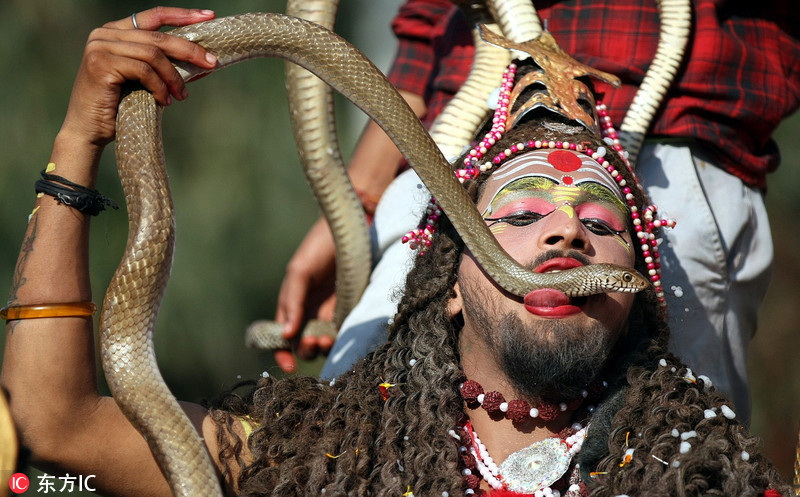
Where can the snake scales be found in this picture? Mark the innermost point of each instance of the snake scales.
(314, 127)
(310, 102)
(135, 293)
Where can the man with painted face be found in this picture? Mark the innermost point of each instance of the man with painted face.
(476, 391)
(705, 162)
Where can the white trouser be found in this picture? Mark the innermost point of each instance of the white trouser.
(715, 263)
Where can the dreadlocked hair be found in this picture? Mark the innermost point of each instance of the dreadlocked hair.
(674, 435)
(343, 437)
(384, 428)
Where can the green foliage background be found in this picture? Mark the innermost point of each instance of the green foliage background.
(242, 204)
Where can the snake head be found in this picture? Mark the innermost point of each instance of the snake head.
(625, 281)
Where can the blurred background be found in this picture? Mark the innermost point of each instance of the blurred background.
(242, 204)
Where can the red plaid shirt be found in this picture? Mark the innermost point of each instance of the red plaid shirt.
(740, 79)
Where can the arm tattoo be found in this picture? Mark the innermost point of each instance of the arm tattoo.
(19, 279)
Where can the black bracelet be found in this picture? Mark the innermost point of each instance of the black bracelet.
(74, 195)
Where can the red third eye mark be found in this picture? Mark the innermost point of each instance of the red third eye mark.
(564, 161)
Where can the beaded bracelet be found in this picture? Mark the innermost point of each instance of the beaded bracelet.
(73, 195)
(70, 309)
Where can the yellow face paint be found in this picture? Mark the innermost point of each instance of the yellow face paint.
(566, 169)
(568, 199)
(623, 243)
(565, 197)
(533, 184)
(50, 167)
(543, 195)
(517, 189)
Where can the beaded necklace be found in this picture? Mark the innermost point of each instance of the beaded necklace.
(532, 470)
(518, 410)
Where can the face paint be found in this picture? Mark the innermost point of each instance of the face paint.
(536, 184)
(563, 166)
(565, 198)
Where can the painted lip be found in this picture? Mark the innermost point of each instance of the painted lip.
(549, 302)
(559, 263)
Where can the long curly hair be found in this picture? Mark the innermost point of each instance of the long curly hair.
(351, 437)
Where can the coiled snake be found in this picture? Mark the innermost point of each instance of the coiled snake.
(134, 295)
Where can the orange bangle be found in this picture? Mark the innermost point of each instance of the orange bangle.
(71, 309)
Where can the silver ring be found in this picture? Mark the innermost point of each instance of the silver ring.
(133, 18)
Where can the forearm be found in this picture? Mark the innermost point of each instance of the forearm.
(49, 366)
(53, 261)
(374, 164)
(376, 159)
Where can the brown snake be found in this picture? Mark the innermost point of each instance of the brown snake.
(135, 293)
(314, 127)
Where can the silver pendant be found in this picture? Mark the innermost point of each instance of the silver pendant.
(536, 466)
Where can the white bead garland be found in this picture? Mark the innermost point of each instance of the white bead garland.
(490, 472)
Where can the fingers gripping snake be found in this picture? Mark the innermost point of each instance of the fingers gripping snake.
(135, 292)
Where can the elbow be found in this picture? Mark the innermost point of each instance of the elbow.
(44, 427)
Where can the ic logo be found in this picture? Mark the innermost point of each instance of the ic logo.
(18, 483)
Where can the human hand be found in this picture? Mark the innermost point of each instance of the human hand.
(307, 292)
(116, 53)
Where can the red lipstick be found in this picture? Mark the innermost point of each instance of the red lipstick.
(549, 302)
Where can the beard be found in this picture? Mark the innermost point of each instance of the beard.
(548, 360)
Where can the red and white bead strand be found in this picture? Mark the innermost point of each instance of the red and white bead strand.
(644, 230)
(477, 458)
(421, 236)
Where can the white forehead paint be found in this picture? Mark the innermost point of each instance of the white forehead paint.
(579, 172)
